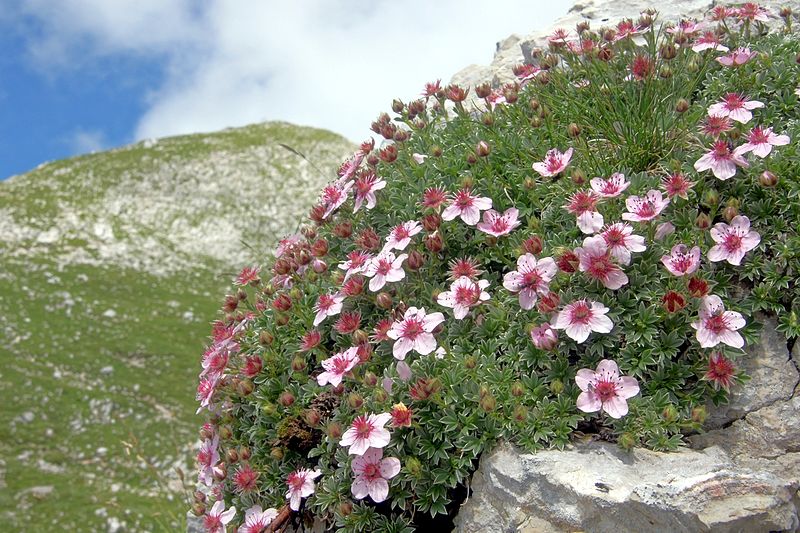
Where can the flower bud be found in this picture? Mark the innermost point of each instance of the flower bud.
(244, 453)
(729, 212)
(673, 301)
(434, 243)
(665, 72)
(206, 433)
(282, 302)
(413, 466)
(241, 295)
(534, 104)
(276, 453)
(319, 248)
(573, 130)
(698, 287)
(529, 183)
(199, 496)
(281, 319)
(368, 240)
(470, 362)
(343, 230)
(380, 395)
(401, 136)
(605, 54)
(536, 122)
(225, 433)
(483, 90)
(768, 179)
(578, 177)
(383, 300)
(609, 34)
(670, 414)
(198, 509)
(360, 337)
(568, 262)
(533, 245)
(388, 154)
(436, 151)
(711, 198)
(520, 414)
(232, 456)
(245, 387)
(482, 149)
(346, 508)
(703, 221)
(298, 363)
(269, 409)
(415, 260)
(334, 431)
(397, 106)
(556, 386)
(488, 403)
(668, 51)
(786, 12)
(370, 379)
(312, 417)
(699, 414)
(682, 106)
(355, 400)
(517, 389)
(487, 119)
(431, 222)
(472, 159)
(286, 398)
(626, 441)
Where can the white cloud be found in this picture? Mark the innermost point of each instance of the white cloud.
(87, 141)
(327, 63)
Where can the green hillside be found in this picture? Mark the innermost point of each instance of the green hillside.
(111, 266)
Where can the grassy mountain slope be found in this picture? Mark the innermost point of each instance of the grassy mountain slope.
(111, 266)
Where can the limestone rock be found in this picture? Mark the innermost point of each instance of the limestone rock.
(600, 488)
(742, 475)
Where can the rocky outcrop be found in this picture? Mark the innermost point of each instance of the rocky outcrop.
(741, 475)
(516, 49)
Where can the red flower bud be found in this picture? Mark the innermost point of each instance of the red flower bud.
(343, 230)
(431, 222)
(698, 287)
(533, 245)
(282, 302)
(415, 260)
(568, 262)
(673, 302)
(388, 154)
(548, 302)
(368, 240)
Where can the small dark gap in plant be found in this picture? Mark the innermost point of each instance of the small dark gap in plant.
(444, 522)
(595, 430)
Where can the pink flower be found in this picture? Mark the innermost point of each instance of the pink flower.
(760, 141)
(735, 106)
(559, 36)
(365, 187)
(337, 366)
(752, 11)
(720, 12)
(356, 261)
(721, 161)
(403, 372)
(595, 260)
(687, 27)
(463, 204)
(611, 187)
(333, 196)
(414, 332)
(733, 241)
(384, 268)
(301, 485)
(371, 474)
(217, 518)
(463, 294)
(207, 459)
(433, 197)
(544, 337)
(581, 317)
(605, 389)
(256, 520)
(286, 244)
(664, 229)
(419, 158)
(583, 204)
(715, 324)
(248, 275)
(498, 225)
(676, 184)
(327, 305)
(400, 236)
(625, 29)
(366, 432)
(206, 389)
(721, 372)
(554, 163)
(681, 261)
(645, 208)
(709, 40)
(621, 241)
(349, 167)
(738, 57)
(531, 279)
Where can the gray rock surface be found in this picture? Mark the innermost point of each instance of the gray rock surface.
(516, 49)
(741, 475)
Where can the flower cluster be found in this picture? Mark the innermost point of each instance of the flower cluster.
(518, 262)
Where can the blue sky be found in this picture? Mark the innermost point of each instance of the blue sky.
(84, 75)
